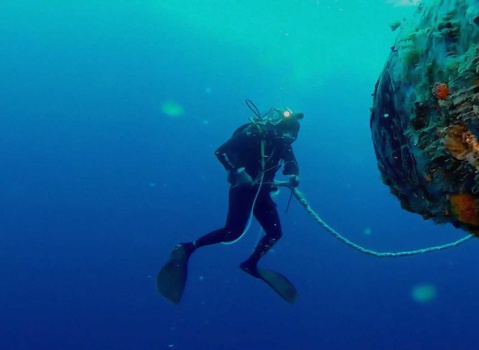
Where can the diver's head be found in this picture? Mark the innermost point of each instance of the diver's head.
(283, 123)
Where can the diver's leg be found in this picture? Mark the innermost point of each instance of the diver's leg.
(171, 279)
(267, 215)
(239, 208)
(265, 212)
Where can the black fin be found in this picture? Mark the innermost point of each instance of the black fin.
(171, 279)
(275, 280)
(280, 285)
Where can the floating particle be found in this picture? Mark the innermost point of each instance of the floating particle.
(424, 293)
(172, 109)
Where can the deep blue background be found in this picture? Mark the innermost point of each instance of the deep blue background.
(97, 184)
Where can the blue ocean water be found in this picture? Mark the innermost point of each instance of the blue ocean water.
(110, 114)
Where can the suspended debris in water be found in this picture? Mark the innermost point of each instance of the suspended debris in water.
(172, 109)
(424, 293)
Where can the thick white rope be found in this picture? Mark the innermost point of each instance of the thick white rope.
(304, 203)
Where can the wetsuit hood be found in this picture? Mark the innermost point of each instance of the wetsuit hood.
(283, 123)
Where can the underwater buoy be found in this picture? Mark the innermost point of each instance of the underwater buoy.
(425, 114)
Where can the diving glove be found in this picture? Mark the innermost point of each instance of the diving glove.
(294, 180)
(239, 177)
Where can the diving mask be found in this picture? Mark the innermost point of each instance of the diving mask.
(277, 123)
(278, 115)
(282, 123)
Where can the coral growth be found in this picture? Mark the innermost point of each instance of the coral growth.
(462, 144)
(465, 208)
(428, 148)
(454, 141)
(441, 91)
(411, 56)
(394, 25)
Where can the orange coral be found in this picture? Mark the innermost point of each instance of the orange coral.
(441, 91)
(454, 141)
(465, 207)
(462, 144)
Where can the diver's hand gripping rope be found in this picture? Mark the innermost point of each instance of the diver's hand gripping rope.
(302, 200)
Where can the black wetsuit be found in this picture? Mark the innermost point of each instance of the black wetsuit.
(243, 150)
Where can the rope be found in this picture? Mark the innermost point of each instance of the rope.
(302, 200)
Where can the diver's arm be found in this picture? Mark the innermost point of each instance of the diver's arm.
(227, 153)
(291, 167)
(290, 164)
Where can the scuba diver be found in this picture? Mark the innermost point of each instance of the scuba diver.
(252, 156)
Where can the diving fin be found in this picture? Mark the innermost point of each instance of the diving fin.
(280, 284)
(275, 280)
(171, 279)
